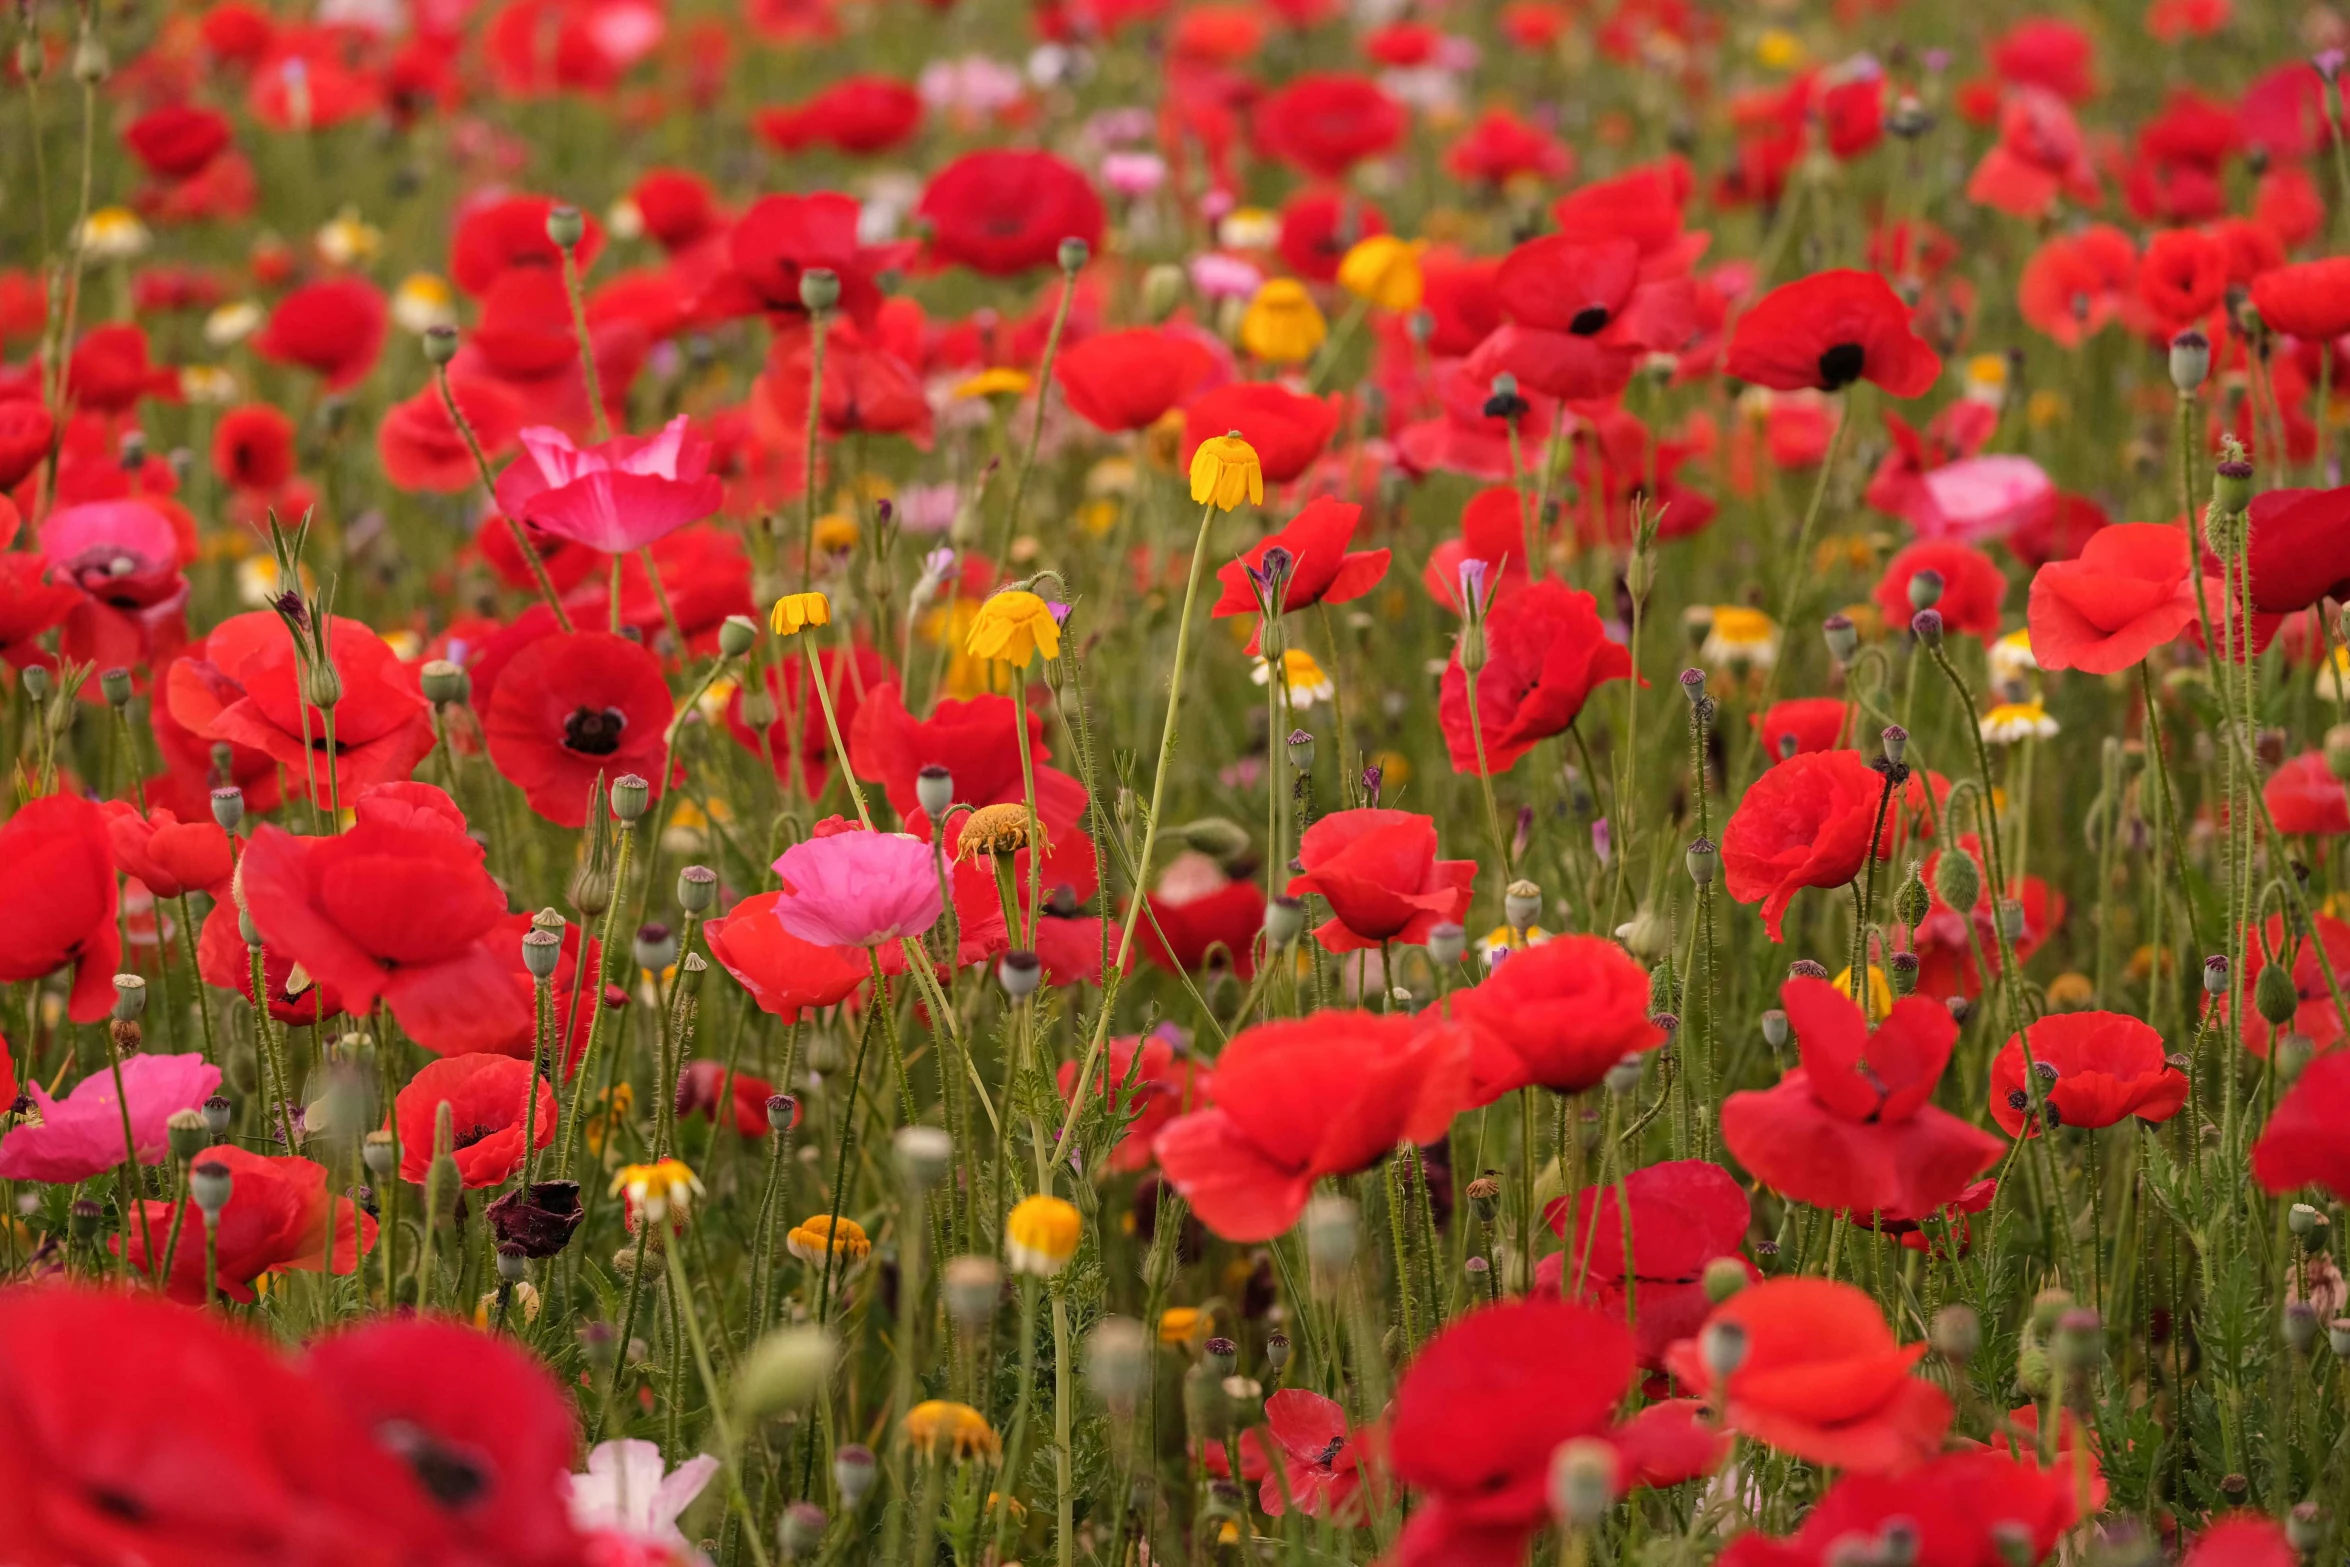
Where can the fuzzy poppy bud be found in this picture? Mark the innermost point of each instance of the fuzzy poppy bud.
(1521, 904)
(1956, 1333)
(819, 289)
(2190, 360)
(322, 685)
(1583, 1473)
(2274, 995)
(801, 1529)
(1901, 972)
(1911, 901)
(1471, 648)
(565, 227)
(1925, 589)
(1957, 879)
(1723, 1346)
(1926, 625)
(630, 796)
(1217, 837)
(1019, 973)
(542, 950)
(440, 345)
(2231, 486)
(697, 889)
(736, 633)
(1723, 1278)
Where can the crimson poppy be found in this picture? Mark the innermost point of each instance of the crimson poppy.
(973, 739)
(867, 390)
(1546, 652)
(1322, 1458)
(172, 858)
(335, 327)
(2302, 1143)
(2096, 1068)
(1852, 1128)
(1189, 927)
(1807, 822)
(499, 236)
(575, 707)
(26, 433)
(30, 605)
(1379, 873)
(421, 449)
(798, 733)
(1499, 147)
(1144, 1094)
(859, 115)
(1648, 1271)
(1800, 725)
(57, 900)
(253, 447)
(1288, 429)
(785, 975)
(109, 371)
(1318, 228)
(2300, 549)
(707, 1089)
(2041, 155)
(485, 1094)
(1558, 1016)
(2305, 797)
(176, 140)
(2309, 300)
(1582, 315)
(2184, 274)
(1323, 123)
(277, 1221)
(1322, 570)
(1829, 330)
(1973, 586)
(224, 961)
(1003, 212)
(1983, 1508)
(780, 239)
(677, 208)
(525, 337)
(1327, 1095)
(2126, 594)
(2075, 285)
(247, 690)
(124, 558)
(1126, 381)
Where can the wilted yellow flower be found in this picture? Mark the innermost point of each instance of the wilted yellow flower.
(1880, 991)
(1001, 828)
(113, 234)
(942, 1428)
(1738, 635)
(2013, 721)
(1225, 472)
(1012, 627)
(1283, 325)
(808, 1239)
(996, 381)
(422, 302)
(346, 238)
(795, 611)
(1384, 270)
(1041, 1235)
(1306, 682)
(658, 1191)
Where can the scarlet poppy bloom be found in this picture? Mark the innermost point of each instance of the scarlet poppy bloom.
(1804, 823)
(2302, 1144)
(2123, 596)
(1800, 725)
(2184, 275)
(1479, 1413)
(1323, 123)
(1546, 652)
(1964, 1509)
(26, 431)
(859, 115)
(1500, 147)
(783, 237)
(2242, 1539)
(1318, 228)
(2306, 798)
(677, 207)
(499, 236)
(2310, 300)
(169, 856)
(575, 707)
(705, 572)
(1583, 314)
(1125, 381)
(2075, 285)
(1973, 586)
(1145, 1094)
(224, 961)
(798, 734)
(2300, 549)
(1852, 1128)
(705, 1089)
(1829, 330)
(1823, 1378)
(124, 558)
(1379, 872)
(485, 1095)
(57, 900)
(1328, 1095)
(248, 690)
(868, 390)
(30, 605)
(253, 447)
(784, 974)
(1493, 531)
(1322, 1459)
(1002, 212)
(110, 371)
(397, 907)
(1556, 1016)
(420, 449)
(1288, 429)
(276, 1221)
(1195, 920)
(176, 140)
(2107, 1065)
(1685, 1214)
(1322, 569)
(2040, 156)
(335, 327)
(973, 739)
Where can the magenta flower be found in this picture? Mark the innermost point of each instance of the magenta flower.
(81, 1134)
(615, 496)
(858, 889)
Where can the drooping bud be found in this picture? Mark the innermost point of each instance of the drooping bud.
(1957, 879)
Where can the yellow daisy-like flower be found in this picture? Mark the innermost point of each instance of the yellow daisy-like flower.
(1185, 1324)
(950, 623)
(1283, 325)
(1502, 938)
(2011, 656)
(1249, 228)
(2044, 410)
(1225, 472)
(599, 1125)
(1880, 992)
(2013, 721)
(1041, 1235)
(1778, 50)
(1384, 270)
(1306, 682)
(794, 612)
(208, 384)
(1988, 371)
(233, 322)
(346, 238)
(113, 234)
(1738, 635)
(2071, 991)
(943, 1428)
(1012, 627)
(662, 1190)
(997, 381)
(816, 1234)
(422, 302)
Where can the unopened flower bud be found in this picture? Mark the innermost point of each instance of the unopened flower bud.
(1911, 901)
(1019, 973)
(697, 889)
(1446, 943)
(2274, 995)
(1583, 1474)
(1926, 624)
(1843, 637)
(1956, 1333)
(934, 790)
(925, 1154)
(736, 633)
(322, 685)
(972, 1287)
(630, 796)
(1925, 589)
(1722, 1343)
(819, 289)
(1957, 879)
(1285, 919)
(786, 1369)
(1703, 861)
(1723, 1278)
(1521, 904)
(2190, 360)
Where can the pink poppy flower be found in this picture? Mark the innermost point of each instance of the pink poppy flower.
(858, 889)
(81, 1134)
(1979, 498)
(615, 496)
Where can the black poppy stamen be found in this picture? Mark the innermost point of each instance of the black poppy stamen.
(1842, 365)
(1590, 321)
(594, 731)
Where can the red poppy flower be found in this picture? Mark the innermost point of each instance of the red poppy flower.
(2302, 1144)
(1500, 147)
(274, 1471)
(1146, 1094)
(171, 857)
(1804, 823)
(276, 1221)
(1546, 652)
(782, 237)
(1002, 212)
(2041, 156)
(1322, 569)
(1323, 123)
(1322, 1458)
(1801, 725)
(30, 605)
(2048, 53)
(1125, 381)
(785, 975)
(1479, 1414)
(704, 1087)
(798, 732)
(1973, 586)
(705, 572)
(2107, 1065)
(1379, 872)
(176, 140)
(1582, 315)
(1188, 928)
(859, 115)
(1556, 1016)
(247, 690)
(1318, 228)
(2184, 274)
(335, 327)
(225, 962)
(575, 707)
(498, 236)
(2300, 549)
(1458, 294)
(57, 900)
(1823, 1378)
(1493, 530)
(1964, 1509)
(26, 431)
(1288, 429)
(1685, 1213)
(2122, 597)
(2074, 285)
(868, 390)
(253, 447)
(973, 739)
(1328, 1095)
(399, 907)
(2306, 798)
(421, 450)
(485, 1096)
(124, 557)
(1829, 330)
(1852, 1128)
(110, 372)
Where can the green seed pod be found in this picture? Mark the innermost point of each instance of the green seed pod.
(2274, 996)
(1958, 881)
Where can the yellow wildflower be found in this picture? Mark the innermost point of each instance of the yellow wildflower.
(422, 302)
(1249, 228)
(1306, 682)
(1738, 635)
(808, 1239)
(1001, 828)
(997, 381)
(1778, 50)
(1012, 627)
(1225, 472)
(209, 384)
(2013, 721)
(660, 1190)
(1041, 1235)
(1283, 326)
(836, 532)
(2011, 656)
(233, 322)
(346, 238)
(2071, 991)
(795, 611)
(1385, 271)
(113, 234)
(599, 1125)
(942, 1428)
(1185, 1325)
(1880, 992)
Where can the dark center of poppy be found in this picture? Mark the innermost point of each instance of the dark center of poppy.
(1590, 321)
(2017, 1099)
(594, 731)
(1841, 365)
(118, 1504)
(452, 1478)
(474, 1134)
(1329, 1454)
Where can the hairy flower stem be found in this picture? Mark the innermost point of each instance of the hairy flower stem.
(681, 1297)
(840, 750)
(1016, 1451)
(579, 1078)
(818, 322)
(1044, 389)
(489, 485)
